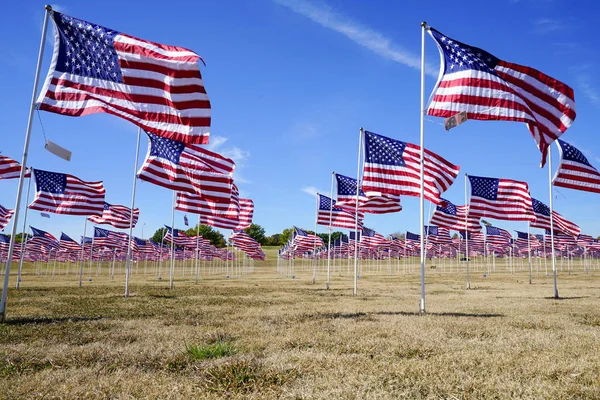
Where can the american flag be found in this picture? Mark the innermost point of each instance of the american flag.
(561, 238)
(236, 214)
(375, 204)
(497, 236)
(303, 240)
(5, 216)
(454, 217)
(116, 215)
(106, 238)
(542, 220)
(179, 238)
(502, 199)
(157, 87)
(185, 221)
(68, 244)
(523, 241)
(393, 167)
(585, 240)
(187, 168)
(339, 217)
(574, 170)
(66, 194)
(43, 238)
(372, 239)
(488, 88)
(11, 169)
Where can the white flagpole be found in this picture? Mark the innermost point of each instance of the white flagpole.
(422, 174)
(315, 240)
(529, 248)
(467, 234)
(128, 258)
(172, 272)
(197, 246)
(82, 253)
(329, 243)
(24, 227)
(32, 108)
(552, 221)
(360, 138)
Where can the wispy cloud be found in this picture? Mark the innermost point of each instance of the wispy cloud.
(586, 84)
(547, 25)
(311, 190)
(358, 33)
(240, 156)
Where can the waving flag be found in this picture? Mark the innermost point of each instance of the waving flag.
(116, 215)
(372, 204)
(67, 194)
(106, 238)
(43, 238)
(339, 217)
(454, 217)
(5, 216)
(11, 169)
(303, 240)
(488, 88)
(393, 167)
(574, 170)
(179, 238)
(242, 221)
(155, 86)
(68, 244)
(502, 199)
(185, 221)
(542, 220)
(187, 168)
(498, 236)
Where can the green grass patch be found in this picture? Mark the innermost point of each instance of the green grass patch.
(213, 350)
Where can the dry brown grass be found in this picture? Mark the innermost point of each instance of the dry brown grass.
(502, 339)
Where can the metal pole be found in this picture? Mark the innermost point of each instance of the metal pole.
(172, 273)
(82, 252)
(552, 221)
(360, 138)
(32, 108)
(422, 162)
(23, 232)
(197, 246)
(315, 239)
(467, 234)
(330, 229)
(529, 248)
(128, 258)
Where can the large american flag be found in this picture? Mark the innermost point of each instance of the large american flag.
(116, 215)
(157, 87)
(488, 88)
(454, 217)
(575, 171)
(5, 216)
(502, 199)
(373, 204)
(341, 218)
(393, 167)
(187, 168)
(560, 223)
(11, 169)
(66, 194)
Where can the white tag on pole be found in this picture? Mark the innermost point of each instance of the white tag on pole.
(455, 120)
(57, 150)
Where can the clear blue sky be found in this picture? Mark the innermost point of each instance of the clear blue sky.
(292, 81)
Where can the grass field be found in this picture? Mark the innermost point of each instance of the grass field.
(268, 336)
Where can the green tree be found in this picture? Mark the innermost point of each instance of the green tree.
(159, 235)
(208, 232)
(456, 236)
(285, 236)
(334, 236)
(256, 232)
(399, 235)
(273, 240)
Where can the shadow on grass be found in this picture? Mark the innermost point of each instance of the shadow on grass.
(567, 298)
(48, 320)
(406, 313)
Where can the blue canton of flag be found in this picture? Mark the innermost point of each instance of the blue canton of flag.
(383, 150)
(353, 235)
(166, 148)
(492, 230)
(185, 220)
(412, 236)
(484, 187)
(45, 215)
(446, 207)
(460, 57)
(431, 230)
(51, 182)
(540, 208)
(572, 154)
